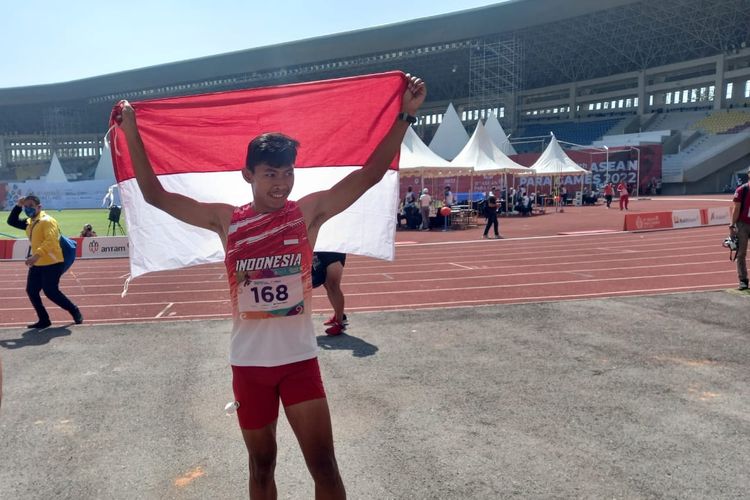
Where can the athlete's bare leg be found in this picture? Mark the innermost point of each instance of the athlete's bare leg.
(261, 449)
(334, 273)
(311, 423)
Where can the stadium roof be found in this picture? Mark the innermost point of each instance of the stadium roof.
(474, 23)
(548, 42)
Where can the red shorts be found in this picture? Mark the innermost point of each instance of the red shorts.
(258, 388)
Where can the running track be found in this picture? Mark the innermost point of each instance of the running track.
(424, 275)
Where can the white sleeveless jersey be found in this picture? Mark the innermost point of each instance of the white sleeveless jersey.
(269, 262)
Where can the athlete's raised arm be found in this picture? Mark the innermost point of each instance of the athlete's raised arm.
(213, 216)
(319, 207)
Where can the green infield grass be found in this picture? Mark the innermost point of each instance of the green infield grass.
(71, 222)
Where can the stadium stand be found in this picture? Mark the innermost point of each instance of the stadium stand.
(724, 122)
(676, 120)
(625, 67)
(576, 132)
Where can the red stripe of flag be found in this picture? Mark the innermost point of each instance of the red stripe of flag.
(337, 122)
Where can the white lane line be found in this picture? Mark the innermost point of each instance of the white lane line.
(462, 267)
(164, 310)
(388, 276)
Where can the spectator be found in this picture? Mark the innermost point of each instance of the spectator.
(624, 191)
(740, 229)
(425, 200)
(44, 260)
(87, 231)
(490, 211)
(608, 193)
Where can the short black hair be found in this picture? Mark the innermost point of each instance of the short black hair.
(274, 149)
(34, 198)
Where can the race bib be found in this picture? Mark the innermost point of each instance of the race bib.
(271, 293)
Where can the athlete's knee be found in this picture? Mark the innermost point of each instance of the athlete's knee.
(323, 467)
(262, 466)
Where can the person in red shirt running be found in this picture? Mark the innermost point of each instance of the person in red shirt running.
(268, 245)
(622, 189)
(608, 193)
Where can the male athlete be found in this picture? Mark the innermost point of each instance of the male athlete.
(273, 349)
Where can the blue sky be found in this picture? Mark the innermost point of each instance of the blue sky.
(49, 41)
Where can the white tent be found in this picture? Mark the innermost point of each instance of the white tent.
(497, 134)
(104, 169)
(417, 159)
(55, 173)
(486, 158)
(415, 155)
(450, 137)
(554, 161)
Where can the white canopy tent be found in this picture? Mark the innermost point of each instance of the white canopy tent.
(450, 136)
(554, 162)
(498, 136)
(55, 174)
(104, 169)
(417, 159)
(486, 157)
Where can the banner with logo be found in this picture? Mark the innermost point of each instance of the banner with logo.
(108, 247)
(621, 164)
(717, 216)
(686, 218)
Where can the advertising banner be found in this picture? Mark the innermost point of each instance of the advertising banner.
(686, 218)
(617, 166)
(648, 221)
(107, 247)
(717, 216)
(57, 195)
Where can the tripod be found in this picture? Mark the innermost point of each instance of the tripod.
(113, 226)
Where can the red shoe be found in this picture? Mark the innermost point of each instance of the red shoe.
(332, 320)
(335, 329)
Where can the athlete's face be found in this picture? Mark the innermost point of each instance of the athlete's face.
(271, 186)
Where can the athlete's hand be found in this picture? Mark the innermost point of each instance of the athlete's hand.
(124, 115)
(416, 91)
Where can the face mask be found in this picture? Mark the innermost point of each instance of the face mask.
(29, 211)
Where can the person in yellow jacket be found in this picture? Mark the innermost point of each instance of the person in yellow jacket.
(45, 259)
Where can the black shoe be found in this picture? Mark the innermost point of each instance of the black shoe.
(77, 316)
(40, 324)
(743, 285)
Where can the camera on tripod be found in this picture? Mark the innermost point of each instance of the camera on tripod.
(114, 220)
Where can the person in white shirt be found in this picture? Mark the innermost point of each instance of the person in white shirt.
(425, 200)
(448, 199)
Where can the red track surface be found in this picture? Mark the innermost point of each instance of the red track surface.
(432, 269)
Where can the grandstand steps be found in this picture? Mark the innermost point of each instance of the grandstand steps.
(705, 164)
(681, 120)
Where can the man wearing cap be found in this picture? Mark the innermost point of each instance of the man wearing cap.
(740, 228)
(425, 200)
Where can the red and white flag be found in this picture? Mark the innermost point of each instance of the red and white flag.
(197, 147)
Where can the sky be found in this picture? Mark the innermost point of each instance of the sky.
(51, 41)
